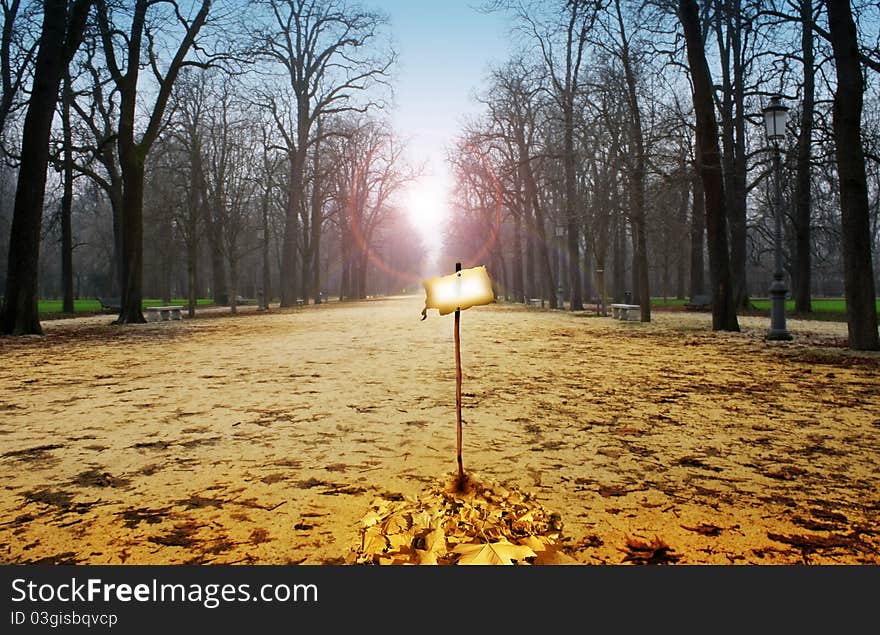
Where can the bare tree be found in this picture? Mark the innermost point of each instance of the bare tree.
(369, 173)
(624, 48)
(328, 53)
(861, 309)
(66, 197)
(124, 53)
(17, 51)
(514, 107)
(723, 306)
(803, 188)
(231, 179)
(188, 128)
(61, 34)
(560, 32)
(478, 203)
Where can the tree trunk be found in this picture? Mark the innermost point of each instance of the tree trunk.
(698, 231)
(193, 209)
(634, 265)
(518, 285)
(165, 252)
(313, 280)
(67, 202)
(723, 307)
(861, 310)
(345, 254)
(531, 280)
(803, 194)
(574, 272)
(116, 207)
(739, 227)
(540, 233)
(291, 230)
(191, 282)
(264, 250)
(60, 36)
(218, 264)
(131, 298)
(233, 282)
(363, 264)
(727, 32)
(641, 282)
(680, 261)
(619, 257)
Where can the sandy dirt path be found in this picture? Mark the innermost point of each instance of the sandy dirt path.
(263, 438)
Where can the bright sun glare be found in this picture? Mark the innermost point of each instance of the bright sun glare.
(426, 204)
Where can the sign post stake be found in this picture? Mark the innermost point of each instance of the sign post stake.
(460, 482)
(455, 293)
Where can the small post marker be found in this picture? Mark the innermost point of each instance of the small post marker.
(456, 293)
(457, 337)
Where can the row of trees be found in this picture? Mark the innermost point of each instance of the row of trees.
(219, 142)
(623, 143)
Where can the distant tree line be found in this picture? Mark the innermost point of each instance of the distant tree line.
(622, 150)
(223, 148)
(198, 149)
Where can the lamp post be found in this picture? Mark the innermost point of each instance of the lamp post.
(560, 234)
(775, 114)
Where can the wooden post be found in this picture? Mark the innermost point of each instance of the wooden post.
(460, 482)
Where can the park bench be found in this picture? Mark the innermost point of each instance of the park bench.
(626, 311)
(164, 313)
(699, 303)
(536, 302)
(109, 304)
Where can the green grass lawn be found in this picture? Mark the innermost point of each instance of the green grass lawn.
(661, 302)
(819, 305)
(53, 307)
(833, 309)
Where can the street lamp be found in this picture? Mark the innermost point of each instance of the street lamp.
(560, 234)
(775, 114)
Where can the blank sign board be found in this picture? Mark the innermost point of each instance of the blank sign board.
(460, 290)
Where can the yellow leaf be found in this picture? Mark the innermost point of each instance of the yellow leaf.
(374, 541)
(501, 552)
(420, 518)
(426, 557)
(396, 542)
(435, 541)
(534, 543)
(554, 556)
(370, 519)
(396, 524)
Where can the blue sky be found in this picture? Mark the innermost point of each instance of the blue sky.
(445, 48)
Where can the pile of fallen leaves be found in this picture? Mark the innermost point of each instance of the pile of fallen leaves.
(485, 523)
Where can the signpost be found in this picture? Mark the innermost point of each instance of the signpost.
(460, 291)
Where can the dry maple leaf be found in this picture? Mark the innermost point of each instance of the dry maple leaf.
(501, 552)
(373, 541)
(428, 530)
(705, 529)
(654, 552)
(547, 551)
(425, 557)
